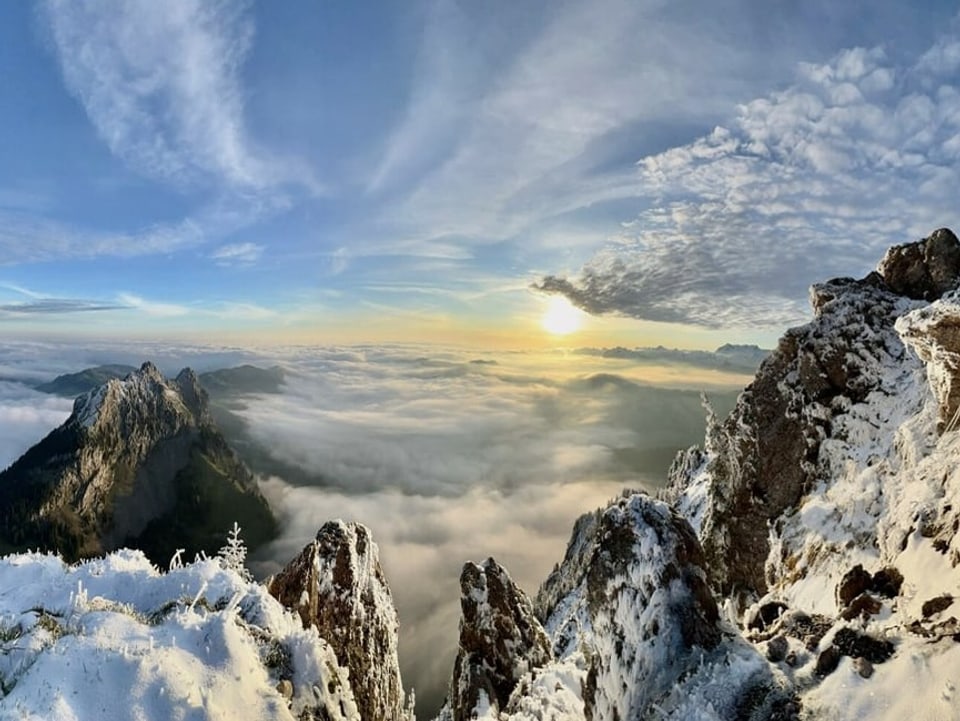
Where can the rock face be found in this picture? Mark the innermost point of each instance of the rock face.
(832, 490)
(924, 270)
(139, 462)
(934, 333)
(633, 625)
(767, 454)
(337, 586)
(500, 641)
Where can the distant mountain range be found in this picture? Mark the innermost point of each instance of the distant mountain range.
(221, 383)
(729, 358)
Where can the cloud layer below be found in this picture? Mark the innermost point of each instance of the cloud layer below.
(447, 456)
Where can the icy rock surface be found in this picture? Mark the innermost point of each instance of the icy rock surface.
(833, 491)
(636, 631)
(501, 640)
(338, 587)
(114, 639)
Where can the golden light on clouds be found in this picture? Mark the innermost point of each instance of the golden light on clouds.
(561, 317)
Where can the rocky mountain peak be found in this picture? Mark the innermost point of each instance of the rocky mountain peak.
(764, 456)
(501, 640)
(923, 270)
(139, 462)
(337, 586)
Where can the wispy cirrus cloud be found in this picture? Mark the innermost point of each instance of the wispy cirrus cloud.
(161, 85)
(813, 181)
(237, 254)
(38, 304)
(552, 130)
(55, 306)
(153, 308)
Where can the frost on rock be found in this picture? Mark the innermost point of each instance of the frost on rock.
(501, 641)
(823, 383)
(114, 639)
(338, 587)
(636, 630)
(828, 501)
(934, 333)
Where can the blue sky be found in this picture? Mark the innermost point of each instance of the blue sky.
(338, 172)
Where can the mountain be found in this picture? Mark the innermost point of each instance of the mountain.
(803, 564)
(139, 462)
(338, 587)
(72, 385)
(222, 384)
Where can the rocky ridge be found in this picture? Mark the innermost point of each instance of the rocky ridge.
(810, 542)
(138, 462)
(803, 564)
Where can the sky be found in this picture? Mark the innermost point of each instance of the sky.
(302, 172)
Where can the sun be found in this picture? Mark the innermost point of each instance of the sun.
(561, 317)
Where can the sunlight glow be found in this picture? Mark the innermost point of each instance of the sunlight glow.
(561, 317)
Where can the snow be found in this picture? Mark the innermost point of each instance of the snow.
(115, 639)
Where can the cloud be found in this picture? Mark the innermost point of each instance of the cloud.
(55, 306)
(26, 238)
(813, 181)
(161, 85)
(446, 455)
(545, 131)
(450, 456)
(26, 416)
(153, 308)
(37, 304)
(237, 254)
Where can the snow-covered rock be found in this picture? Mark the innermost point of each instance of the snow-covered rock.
(114, 639)
(832, 494)
(338, 587)
(636, 632)
(501, 641)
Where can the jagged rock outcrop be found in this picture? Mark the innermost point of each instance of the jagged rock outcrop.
(766, 455)
(139, 462)
(832, 491)
(501, 640)
(934, 333)
(634, 627)
(337, 586)
(924, 270)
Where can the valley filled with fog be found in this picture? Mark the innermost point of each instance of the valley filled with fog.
(447, 455)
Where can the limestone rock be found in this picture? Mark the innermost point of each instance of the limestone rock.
(500, 640)
(337, 586)
(923, 270)
(139, 462)
(934, 333)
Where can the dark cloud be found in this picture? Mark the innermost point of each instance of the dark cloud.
(808, 183)
(56, 306)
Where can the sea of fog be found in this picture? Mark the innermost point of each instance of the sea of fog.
(447, 455)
